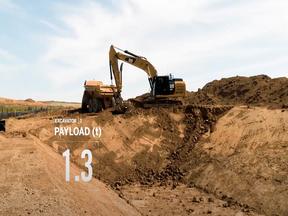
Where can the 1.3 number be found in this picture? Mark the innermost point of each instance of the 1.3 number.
(88, 165)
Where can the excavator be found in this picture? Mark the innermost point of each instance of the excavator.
(165, 90)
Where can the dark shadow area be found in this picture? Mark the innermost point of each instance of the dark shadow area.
(2, 125)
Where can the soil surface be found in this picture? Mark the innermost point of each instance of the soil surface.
(236, 156)
(223, 153)
(32, 182)
(255, 90)
(163, 200)
(31, 102)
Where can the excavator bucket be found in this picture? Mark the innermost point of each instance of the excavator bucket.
(120, 107)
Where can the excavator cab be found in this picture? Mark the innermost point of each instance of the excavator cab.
(167, 85)
(163, 85)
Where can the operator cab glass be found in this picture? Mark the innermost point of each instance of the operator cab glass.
(164, 85)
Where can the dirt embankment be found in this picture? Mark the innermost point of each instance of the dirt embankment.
(27, 102)
(32, 182)
(255, 90)
(245, 159)
(140, 146)
(241, 159)
(31, 102)
(237, 157)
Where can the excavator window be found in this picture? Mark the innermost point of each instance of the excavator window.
(164, 85)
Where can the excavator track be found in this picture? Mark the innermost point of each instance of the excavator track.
(156, 103)
(179, 104)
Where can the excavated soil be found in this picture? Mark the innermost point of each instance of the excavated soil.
(139, 146)
(245, 159)
(237, 156)
(256, 90)
(32, 182)
(190, 160)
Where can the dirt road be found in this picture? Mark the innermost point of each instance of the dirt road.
(32, 182)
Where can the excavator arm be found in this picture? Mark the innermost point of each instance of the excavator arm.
(130, 58)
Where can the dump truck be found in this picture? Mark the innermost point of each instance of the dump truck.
(97, 96)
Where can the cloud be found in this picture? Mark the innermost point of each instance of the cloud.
(9, 71)
(51, 26)
(182, 37)
(9, 6)
(10, 65)
(7, 56)
(198, 40)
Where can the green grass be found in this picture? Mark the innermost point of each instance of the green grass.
(25, 108)
(15, 108)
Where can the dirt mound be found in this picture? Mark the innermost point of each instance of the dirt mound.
(235, 155)
(29, 100)
(240, 159)
(244, 159)
(255, 90)
(34, 184)
(238, 155)
(180, 200)
(140, 146)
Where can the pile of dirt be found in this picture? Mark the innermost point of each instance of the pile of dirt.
(142, 146)
(238, 155)
(256, 90)
(244, 159)
(181, 130)
(182, 200)
(29, 100)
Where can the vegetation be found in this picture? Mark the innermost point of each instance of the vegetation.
(20, 108)
(17, 110)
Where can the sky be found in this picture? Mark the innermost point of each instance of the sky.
(49, 48)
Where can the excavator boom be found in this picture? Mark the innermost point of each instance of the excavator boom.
(162, 87)
(130, 58)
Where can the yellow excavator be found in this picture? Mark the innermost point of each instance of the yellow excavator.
(165, 90)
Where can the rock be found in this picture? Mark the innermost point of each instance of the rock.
(225, 205)
(190, 210)
(195, 200)
(210, 199)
